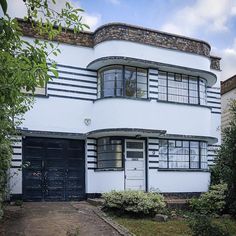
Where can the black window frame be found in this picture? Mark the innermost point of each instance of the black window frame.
(200, 156)
(124, 95)
(202, 101)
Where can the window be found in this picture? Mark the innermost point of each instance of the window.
(109, 151)
(182, 154)
(122, 81)
(181, 88)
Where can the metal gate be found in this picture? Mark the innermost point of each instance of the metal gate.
(53, 169)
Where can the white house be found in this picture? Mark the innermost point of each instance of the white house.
(133, 108)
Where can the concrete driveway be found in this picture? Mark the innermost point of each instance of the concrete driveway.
(54, 219)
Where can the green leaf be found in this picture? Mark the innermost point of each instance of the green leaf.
(3, 4)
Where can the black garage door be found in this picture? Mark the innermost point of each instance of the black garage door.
(54, 169)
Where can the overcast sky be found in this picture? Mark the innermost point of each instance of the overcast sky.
(211, 20)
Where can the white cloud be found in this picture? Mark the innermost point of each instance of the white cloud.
(228, 63)
(210, 15)
(18, 9)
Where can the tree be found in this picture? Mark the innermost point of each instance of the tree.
(226, 160)
(25, 66)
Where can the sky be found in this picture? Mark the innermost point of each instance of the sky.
(213, 21)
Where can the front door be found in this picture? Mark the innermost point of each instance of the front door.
(135, 165)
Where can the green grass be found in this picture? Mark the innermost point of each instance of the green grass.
(148, 227)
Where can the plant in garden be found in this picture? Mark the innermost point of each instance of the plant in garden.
(211, 202)
(134, 202)
(225, 167)
(25, 66)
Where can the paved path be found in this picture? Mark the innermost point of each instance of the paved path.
(54, 219)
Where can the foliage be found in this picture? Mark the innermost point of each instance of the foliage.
(202, 225)
(134, 202)
(226, 160)
(25, 66)
(211, 202)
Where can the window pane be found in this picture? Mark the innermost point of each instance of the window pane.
(130, 81)
(134, 154)
(134, 145)
(110, 164)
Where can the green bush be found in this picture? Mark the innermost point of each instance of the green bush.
(134, 202)
(211, 202)
(201, 225)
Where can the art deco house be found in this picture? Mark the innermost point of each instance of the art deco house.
(132, 108)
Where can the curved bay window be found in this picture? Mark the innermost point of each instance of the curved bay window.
(109, 153)
(122, 81)
(182, 154)
(181, 88)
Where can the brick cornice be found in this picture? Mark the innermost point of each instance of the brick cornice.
(228, 85)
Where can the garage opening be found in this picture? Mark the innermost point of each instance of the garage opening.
(53, 169)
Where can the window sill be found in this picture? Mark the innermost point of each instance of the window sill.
(184, 170)
(129, 98)
(109, 169)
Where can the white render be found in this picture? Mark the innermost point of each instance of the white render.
(63, 114)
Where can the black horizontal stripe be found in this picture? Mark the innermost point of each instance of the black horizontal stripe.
(15, 167)
(153, 161)
(75, 73)
(17, 160)
(215, 112)
(75, 67)
(153, 92)
(91, 168)
(91, 150)
(150, 143)
(153, 155)
(16, 147)
(72, 79)
(153, 168)
(17, 154)
(218, 98)
(213, 102)
(91, 156)
(92, 144)
(154, 98)
(78, 98)
(91, 162)
(153, 80)
(73, 85)
(153, 149)
(72, 91)
(213, 92)
(153, 86)
(155, 74)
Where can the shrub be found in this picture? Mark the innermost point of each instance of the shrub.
(211, 202)
(134, 202)
(201, 225)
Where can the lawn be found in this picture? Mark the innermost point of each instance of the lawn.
(148, 227)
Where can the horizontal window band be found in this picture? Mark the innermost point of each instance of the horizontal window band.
(153, 168)
(153, 155)
(151, 92)
(78, 98)
(153, 161)
(17, 160)
(92, 162)
(72, 91)
(72, 85)
(75, 73)
(72, 79)
(75, 67)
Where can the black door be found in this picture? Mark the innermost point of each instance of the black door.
(53, 169)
